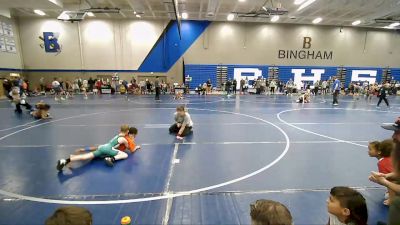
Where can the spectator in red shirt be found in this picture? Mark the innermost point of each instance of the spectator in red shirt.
(382, 151)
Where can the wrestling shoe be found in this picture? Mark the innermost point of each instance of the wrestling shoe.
(109, 161)
(60, 164)
(179, 138)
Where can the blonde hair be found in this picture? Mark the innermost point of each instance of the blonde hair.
(124, 128)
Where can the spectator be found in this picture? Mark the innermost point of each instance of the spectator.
(228, 86)
(91, 83)
(382, 151)
(157, 88)
(98, 84)
(289, 87)
(42, 84)
(272, 86)
(7, 88)
(209, 86)
(242, 83)
(234, 86)
(148, 86)
(389, 180)
(324, 87)
(346, 206)
(57, 89)
(70, 215)
(142, 85)
(267, 212)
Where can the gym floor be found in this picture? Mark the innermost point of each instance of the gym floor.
(243, 148)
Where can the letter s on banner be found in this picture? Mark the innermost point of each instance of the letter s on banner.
(366, 75)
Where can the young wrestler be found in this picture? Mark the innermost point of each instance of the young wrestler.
(130, 138)
(18, 100)
(131, 146)
(108, 151)
(304, 98)
(346, 206)
(178, 95)
(42, 111)
(382, 151)
(183, 123)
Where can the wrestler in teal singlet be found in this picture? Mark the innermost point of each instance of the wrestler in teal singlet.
(107, 149)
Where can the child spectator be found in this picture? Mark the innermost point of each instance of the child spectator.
(346, 206)
(389, 180)
(70, 215)
(267, 212)
(382, 151)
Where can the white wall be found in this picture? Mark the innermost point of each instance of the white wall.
(91, 44)
(257, 43)
(124, 44)
(11, 60)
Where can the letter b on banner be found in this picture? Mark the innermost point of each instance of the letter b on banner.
(50, 42)
(307, 42)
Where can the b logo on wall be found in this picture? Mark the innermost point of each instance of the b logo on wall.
(50, 42)
(305, 53)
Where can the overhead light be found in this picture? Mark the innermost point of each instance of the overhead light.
(317, 20)
(185, 15)
(90, 14)
(134, 12)
(138, 16)
(39, 12)
(394, 24)
(242, 0)
(275, 18)
(298, 2)
(388, 27)
(355, 23)
(63, 16)
(265, 9)
(230, 17)
(305, 4)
